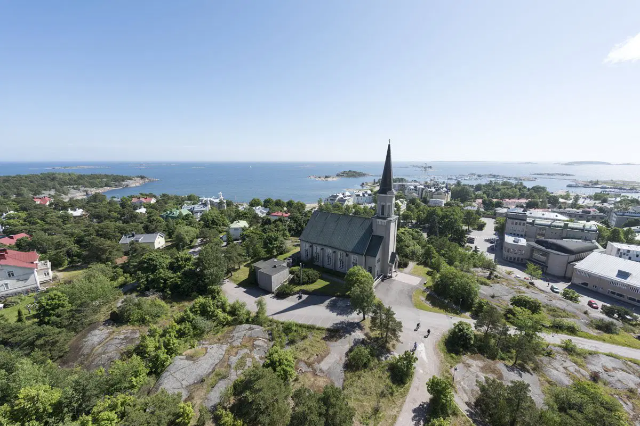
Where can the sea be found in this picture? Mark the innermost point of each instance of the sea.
(242, 181)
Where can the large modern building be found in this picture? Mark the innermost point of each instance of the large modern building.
(618, 219)
(611, 275)
(339, 242)
(533, 225)
(588, 215)
(624, 251)
(554, 257)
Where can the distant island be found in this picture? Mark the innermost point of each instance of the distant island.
(596, 163)
(343, 174)
(77, 167)
(351, 174)
(552, 174)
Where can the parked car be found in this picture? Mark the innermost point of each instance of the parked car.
(518, 276)
(592, 304)
(555, 289)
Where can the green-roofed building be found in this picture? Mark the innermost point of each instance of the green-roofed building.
(339, 242)
(175, 213)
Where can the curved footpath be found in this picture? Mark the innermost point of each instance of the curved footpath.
(333, 312)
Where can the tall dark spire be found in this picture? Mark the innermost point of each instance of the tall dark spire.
(386, 183)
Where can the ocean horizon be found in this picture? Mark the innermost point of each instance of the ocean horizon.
(241, 181)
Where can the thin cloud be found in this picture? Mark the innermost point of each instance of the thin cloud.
(629, 51)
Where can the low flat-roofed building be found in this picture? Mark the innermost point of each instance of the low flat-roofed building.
(611, 275)
(618, 219)
(514, 249)
(587, 215)
(558, 257)
(271, 274)
(624, 251)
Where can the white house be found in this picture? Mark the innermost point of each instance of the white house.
(219, 202)
(343, 198)
(22, 272)
(138, 201)
(153, 241)
(261, 211)
(363, 197)
(236, 228)
(76, 212)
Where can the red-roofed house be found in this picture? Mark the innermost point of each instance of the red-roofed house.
(11, 239)
(279, 215)
(45, 201)
(142, 200)
(22, 272)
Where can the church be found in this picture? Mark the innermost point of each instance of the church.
(340, 242)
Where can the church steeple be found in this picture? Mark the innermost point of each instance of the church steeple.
(386, 183)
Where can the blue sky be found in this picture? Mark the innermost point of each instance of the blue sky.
(324, 80)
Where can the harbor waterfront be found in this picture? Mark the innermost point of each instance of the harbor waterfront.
(242, 181)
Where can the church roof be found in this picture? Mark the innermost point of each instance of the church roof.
(374, 245)
(340, 231)
(386, 182)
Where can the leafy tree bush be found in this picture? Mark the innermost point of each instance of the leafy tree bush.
(526, 302)
(460, 339)
(286, 290)
(261, 314)
(363, 298)
(456, 287)
(141, 310)
(359, 358)
(506, 405)
(619, 312)
(261, 398)
(52, 308)
(565, 325)
(384, 322)
(309, 276)
(441, 404)
(402, 367)
(609, 327)
(282, 362)
(338, 411)
(571, 295)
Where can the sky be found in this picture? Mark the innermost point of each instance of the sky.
(323, 80)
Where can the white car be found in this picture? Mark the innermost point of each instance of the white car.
(518, 276)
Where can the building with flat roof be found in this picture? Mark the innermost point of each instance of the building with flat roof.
(514, 249)
(618, 219)
(548, 225)
(624, 251)
(588, 215)
(611, 275)
(271, 274)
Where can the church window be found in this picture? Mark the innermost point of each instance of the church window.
(306, 253)
(381, 209)
(354, 261)
(341, 261)
(10, 274)
(329, 259)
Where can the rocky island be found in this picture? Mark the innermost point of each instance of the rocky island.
(343, 174)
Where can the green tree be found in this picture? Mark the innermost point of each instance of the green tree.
(470, 219)
(359, 358)
(499, 404)
(571, 295)
(457, 287)
(402, 367)
(585, 403)
(261, 314)
(522, 301)
(36, 405)
(20, 316)
(282, 362)
(52, 308)
(383, 320)
(490, 320)
(616, 235)
(184, 236)
(362, 295)
(211, 266)
(533, 271)
(308, 409)
(261, 398)
(255, 202)
(441, 404)
(460, 339)
(126, 376)
(338, 411)
(234, 254)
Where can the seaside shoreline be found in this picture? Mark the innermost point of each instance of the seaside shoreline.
(75, 194)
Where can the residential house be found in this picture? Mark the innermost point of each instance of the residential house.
(45, 201)
(218, 202)
(362, 197)
(435, 202)
(76, 212)
(261, 211)
(138, 201)
(22, 272)
(198, 210)
(237, 227)
(141, 210)
(153, 241)
(279, 215)
(175, 213)
(11, 239)
(343, 198)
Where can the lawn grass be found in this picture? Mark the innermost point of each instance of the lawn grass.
(241, 276)
(449, 360)
(69, 273)
(622, 339)
(422, 272)
(289, 253)
(420, 302)
(324, 287)
(11, 313)
(311, 349)
(374, 397)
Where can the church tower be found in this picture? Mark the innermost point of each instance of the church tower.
(385, 222)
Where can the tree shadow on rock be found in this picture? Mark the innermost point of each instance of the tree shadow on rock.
(340, 306)
(342, 329)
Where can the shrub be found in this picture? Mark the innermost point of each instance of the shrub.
(571, 295)
(526, 302)
(460, 338)
(479, 307)
(619, 312)
(359, 358)
(481, 225)
(569, 347)
(285, 290)
(282, 362)
(401, 367)
(141, 310)
(309, 276)
(605, 326)
(294, 332)
(565, 325)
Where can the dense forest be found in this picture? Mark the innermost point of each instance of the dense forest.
(36, 184)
